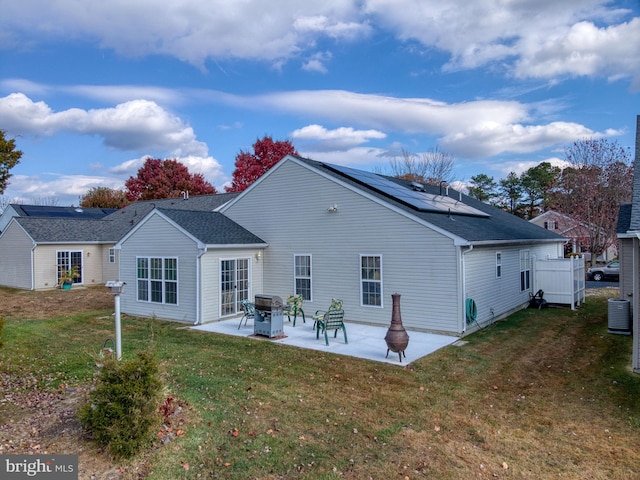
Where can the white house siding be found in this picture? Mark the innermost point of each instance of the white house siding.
(289, 211)
(496, 297)
(210, 267)
(15, 258)
(157, 238)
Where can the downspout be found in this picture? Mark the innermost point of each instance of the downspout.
(33, 267)
(464, 288)
(198, 319)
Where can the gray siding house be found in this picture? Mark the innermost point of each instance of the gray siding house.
(36, 242)
(338, 232)
(628, 229)
(305, 227)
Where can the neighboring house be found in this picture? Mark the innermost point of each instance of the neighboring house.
(42, 211)
(339, 232)
(628, 229)
(36, 245)
(575, 231)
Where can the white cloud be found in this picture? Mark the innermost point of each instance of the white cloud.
(105, 93)
(408, 115)
(468, 129)
(491, 138)
(191, 30)
(359, 157)
(318, 137)
(529, 38)
(585, 50)
(317, 62)
(136, 125)
(63, 190)
(66, 190)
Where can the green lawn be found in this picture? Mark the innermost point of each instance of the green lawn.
(545, 394)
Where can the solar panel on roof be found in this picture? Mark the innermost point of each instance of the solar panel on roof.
(62, 212)
(413, 197)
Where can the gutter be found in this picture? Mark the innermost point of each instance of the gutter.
(33, 267)
(198, 319)
(516, 242)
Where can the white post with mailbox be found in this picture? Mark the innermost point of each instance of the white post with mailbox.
(117, 288)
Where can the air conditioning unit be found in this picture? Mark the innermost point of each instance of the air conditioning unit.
(619, 316)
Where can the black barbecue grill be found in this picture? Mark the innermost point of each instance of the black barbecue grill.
(268, 317)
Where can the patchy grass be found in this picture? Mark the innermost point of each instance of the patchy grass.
(544, 394)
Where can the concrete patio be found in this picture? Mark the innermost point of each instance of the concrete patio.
(365, 341)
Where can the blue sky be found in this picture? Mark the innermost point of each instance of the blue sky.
(90, 89)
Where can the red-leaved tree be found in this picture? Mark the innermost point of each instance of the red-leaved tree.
(592, 189)
(165, 179)
(251, 166)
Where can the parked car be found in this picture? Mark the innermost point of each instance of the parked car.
(610, 271)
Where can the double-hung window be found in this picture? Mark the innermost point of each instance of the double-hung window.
(302, 276)
(371, 280)
(157, 280)
(498, 264)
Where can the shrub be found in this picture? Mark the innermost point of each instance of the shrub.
(122, 411)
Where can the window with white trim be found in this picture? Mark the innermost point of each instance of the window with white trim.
(498, 264)
(157, 280)
(112, 255)
(302, 276)
(525, 271)
(371, 280)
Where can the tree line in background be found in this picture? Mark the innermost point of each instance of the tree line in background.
(598, 179)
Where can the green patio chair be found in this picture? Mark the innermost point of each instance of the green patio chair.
(249, 312)
(336, 304)
(293, 308)
(332, 320)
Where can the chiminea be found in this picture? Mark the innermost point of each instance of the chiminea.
(397, 337)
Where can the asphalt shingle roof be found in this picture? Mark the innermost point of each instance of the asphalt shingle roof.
(112, 227)
(65, 230)
(212, 228)
(624, 218)
(499, 226)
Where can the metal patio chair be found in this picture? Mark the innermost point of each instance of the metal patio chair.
(336, 304)
(331, 320)
(293, 308)
(249, 312)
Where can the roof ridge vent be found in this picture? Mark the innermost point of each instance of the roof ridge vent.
(417, 187)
